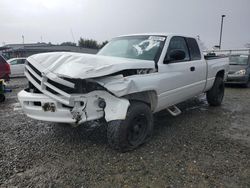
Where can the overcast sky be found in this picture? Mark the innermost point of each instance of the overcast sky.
(57, 21)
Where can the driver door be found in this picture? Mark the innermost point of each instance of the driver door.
(179, 77)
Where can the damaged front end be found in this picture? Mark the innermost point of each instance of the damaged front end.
(68, 100)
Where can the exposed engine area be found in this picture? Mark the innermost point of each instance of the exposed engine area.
(130, 72)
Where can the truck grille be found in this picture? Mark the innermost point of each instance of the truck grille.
(59, 90)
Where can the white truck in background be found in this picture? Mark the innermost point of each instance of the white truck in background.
(131, 78)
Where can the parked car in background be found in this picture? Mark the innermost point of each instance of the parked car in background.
(239, 70)
(4, 69)
(17, 66)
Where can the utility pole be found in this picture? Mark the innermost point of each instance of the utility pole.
(221, 28)
(23, 38)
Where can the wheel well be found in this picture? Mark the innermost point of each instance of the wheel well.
(220, 74)
(148, 97)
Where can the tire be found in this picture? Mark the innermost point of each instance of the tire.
(2, 98)
(136, 129)
(216, 93)
(247, 85)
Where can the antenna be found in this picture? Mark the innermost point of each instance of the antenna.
(41, 38)
(72, 35)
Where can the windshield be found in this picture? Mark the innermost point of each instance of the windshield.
(135, 47)
(238, 60)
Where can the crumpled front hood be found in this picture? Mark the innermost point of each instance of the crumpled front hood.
(77, 65)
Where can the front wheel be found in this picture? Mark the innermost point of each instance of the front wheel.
(247, 85)
(216, 93)
(128, 134)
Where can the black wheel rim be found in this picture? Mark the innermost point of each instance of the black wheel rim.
(137, 130)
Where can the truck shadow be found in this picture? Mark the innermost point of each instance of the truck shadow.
(163, 122)
(81, 134)
(235, 86)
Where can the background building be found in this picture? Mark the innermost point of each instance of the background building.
(25, 50)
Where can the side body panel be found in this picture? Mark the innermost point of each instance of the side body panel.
(180, 83)
(2, 68)
(17, 67)
(17, 70)
(182, 80)
(214, 66)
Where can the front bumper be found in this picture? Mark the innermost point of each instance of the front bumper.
(55, 104)
(236, 79)
(85, 109)
(30, 105)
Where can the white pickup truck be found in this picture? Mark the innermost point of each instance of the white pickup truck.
(131, 78)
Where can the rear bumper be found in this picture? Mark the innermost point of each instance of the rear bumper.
(236, 79)
(86, 109)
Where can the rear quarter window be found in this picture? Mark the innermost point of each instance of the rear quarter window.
(193, 49)
(20, 61)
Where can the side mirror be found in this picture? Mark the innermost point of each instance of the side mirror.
(175, 55)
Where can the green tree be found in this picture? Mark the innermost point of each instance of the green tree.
(88, 43)
(103, 44)
(68, 44)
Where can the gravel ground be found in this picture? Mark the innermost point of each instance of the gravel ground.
(202, 147)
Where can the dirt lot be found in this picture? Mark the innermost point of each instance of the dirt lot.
(203, 147)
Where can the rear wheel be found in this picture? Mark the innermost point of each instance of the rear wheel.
(128, 134)
(216, 93)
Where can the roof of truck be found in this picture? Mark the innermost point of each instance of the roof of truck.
(159, 34)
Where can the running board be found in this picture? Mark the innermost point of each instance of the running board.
(174, 110)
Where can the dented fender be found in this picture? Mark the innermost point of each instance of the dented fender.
(115, 108)
(121, 86)
(118, 85)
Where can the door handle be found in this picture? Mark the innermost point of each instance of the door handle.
(192, 68)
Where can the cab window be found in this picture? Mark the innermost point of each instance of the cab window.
(193, 49)
(14, 62)
(178, 43)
